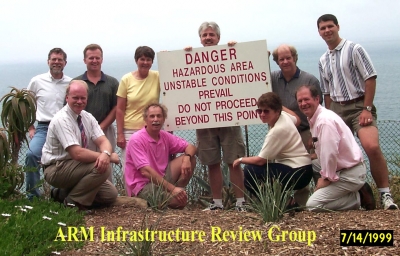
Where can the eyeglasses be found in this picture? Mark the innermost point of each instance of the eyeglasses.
(265, 111)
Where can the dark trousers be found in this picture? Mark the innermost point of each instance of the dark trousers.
(288, 176)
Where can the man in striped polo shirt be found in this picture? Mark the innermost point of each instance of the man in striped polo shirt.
(348, 82)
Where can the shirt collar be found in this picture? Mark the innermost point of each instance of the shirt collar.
(147, 136)
(85, 78)
(71, 112)
(52, 78)
(339, 46)
(313, 119)
(296, 75)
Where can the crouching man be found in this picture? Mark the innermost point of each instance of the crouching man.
(147, 160)
(78, 174)
(342, 184)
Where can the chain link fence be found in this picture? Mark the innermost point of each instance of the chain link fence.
(389, 135)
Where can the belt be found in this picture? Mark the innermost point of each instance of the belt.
(39, 122)
(346, 102)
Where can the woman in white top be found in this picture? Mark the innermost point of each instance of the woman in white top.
(283, 154)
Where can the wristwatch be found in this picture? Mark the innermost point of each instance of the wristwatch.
(368, 108)
(107, 153)
(240, 159)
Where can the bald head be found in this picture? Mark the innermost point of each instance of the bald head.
(284, 48)
(286, 57)
(77, 93)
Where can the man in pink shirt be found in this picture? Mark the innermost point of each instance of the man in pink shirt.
(342, 185)
(147, 156)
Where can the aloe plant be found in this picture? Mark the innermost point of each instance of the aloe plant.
(271, 198)
(11, 175)
(17, 115)
(4, 148)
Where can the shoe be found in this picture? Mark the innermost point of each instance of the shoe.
(293, 207)
(54, 194)
(367, 197)
(242, 208)
(58, 195)
(213, 207)
(81, 208)
(387, 202)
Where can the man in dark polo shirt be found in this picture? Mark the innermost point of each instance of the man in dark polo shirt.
(102, 99)
(285, 83)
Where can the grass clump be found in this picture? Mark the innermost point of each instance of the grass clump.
(271, 199)
(157, 199)
(25, 230)
(141, 247)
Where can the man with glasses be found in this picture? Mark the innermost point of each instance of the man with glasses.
(49, 89)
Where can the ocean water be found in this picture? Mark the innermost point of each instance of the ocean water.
(386, 59)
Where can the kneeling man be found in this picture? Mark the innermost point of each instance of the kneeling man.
(147, 156)
(78, 174)
(342, 184)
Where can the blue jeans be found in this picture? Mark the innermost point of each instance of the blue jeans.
(32, 161)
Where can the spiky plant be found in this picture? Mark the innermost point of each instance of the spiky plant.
(271, 198)
(141, 247)
(157, 199)
(4, 148)
(11, 175)
(17, 115)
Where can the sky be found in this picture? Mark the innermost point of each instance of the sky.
(29, 29)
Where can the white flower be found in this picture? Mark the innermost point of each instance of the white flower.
(5, 214)
(28, 207)
(56, 253)
(46, 218)
(62, 224)
(53, 212)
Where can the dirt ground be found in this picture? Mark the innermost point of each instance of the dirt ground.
(205, 230)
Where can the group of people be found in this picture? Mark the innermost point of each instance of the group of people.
(75, 143)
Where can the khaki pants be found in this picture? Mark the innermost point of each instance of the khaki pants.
(342, 194)
(301, 196)
(150, 188)
(84, 184)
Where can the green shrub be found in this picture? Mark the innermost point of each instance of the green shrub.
(394, 184)
(140, 248)
(26, 232)
(271, 199)
(158, 199)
